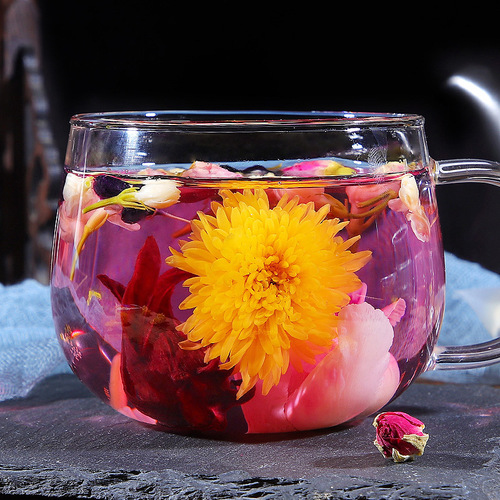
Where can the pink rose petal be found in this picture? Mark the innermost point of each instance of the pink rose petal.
(201, 169)
(357, 377)
(266, 414)
(395, 311)
(359, 296)
(310, 168)
(386, 389)
(347, 381)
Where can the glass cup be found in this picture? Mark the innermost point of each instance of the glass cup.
(253, 272)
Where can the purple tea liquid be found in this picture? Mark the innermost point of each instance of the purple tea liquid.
(117, 308)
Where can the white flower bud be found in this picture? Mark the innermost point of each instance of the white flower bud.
(158, 193)
(75, 186)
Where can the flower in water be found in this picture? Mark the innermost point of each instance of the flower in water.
(267, 284)
(408, 202)
(152, 379)
(77, 192)
(158, 193)
(315, 195)
(146, 195)
(355, 378)
(203, 169)
(367, 202)
(76, 224)
(312, 168)
(399, 436)
(91, 201)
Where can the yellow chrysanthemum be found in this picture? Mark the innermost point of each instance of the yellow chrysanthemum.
(267, 284)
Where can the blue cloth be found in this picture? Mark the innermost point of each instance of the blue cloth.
(30, 351)
(472, 315)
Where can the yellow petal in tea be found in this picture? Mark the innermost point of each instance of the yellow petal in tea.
(267, 284)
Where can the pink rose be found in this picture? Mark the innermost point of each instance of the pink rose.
(366, 202)
(204, 170)
(357, 377)
(399, 436)
(317, 168)
(351, 378)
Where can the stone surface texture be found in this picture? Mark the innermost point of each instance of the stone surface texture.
(61, 441)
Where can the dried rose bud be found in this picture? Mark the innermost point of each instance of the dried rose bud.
(399, 436)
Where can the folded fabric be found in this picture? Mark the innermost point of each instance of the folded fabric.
(472, 315)
(30, 351)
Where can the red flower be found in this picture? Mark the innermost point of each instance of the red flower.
(173, 386)
(399, 436)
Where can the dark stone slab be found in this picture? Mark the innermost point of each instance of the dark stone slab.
(61, 441)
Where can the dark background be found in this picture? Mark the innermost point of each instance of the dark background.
(110, 56)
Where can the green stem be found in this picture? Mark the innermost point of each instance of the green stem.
(126, 199)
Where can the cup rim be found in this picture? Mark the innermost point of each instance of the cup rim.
(238, 119)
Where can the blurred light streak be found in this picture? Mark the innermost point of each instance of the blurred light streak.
(486, 99)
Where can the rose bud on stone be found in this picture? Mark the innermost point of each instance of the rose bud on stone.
(399, 436)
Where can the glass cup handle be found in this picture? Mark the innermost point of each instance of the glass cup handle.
(485, 353)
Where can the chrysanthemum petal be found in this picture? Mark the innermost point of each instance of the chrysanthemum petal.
(268, 283)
